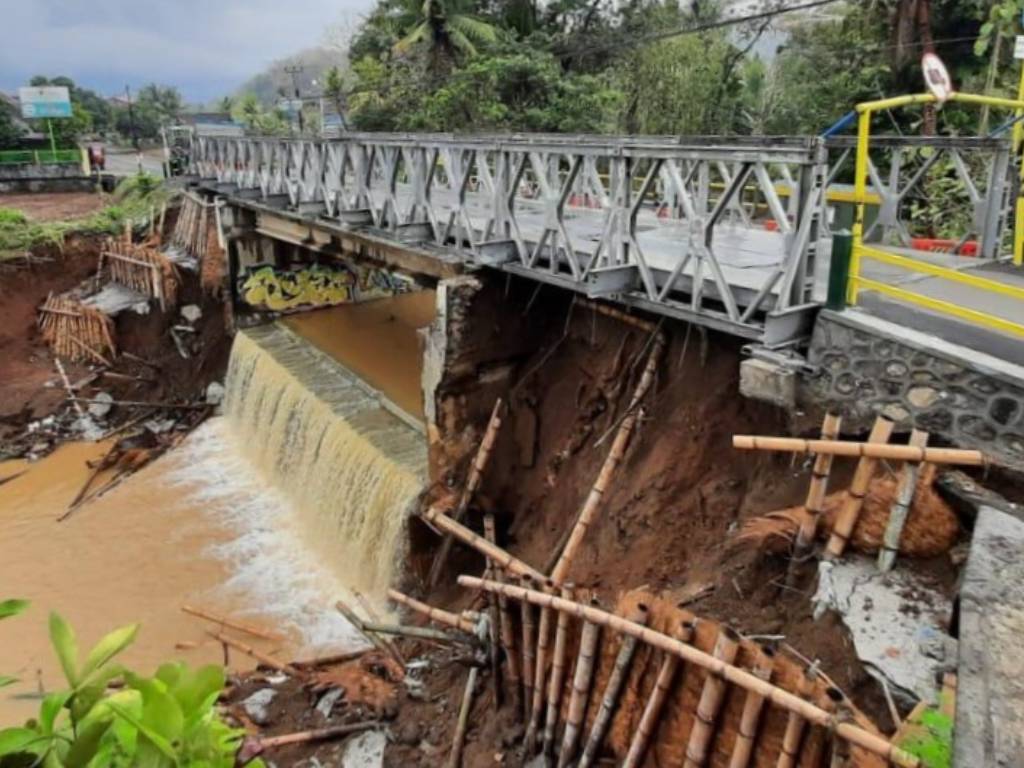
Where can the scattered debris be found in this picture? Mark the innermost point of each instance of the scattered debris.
(326, 703)
(257, 705)
(365, 750)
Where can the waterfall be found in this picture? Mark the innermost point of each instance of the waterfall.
(350, 467)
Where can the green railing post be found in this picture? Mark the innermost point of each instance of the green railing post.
(839, 270)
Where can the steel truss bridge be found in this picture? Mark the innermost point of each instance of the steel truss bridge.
(730, 233)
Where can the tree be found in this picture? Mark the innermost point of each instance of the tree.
(10, 131)
(225, 105)
(445, 27)
(334, 90)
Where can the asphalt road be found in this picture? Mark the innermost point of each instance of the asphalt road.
(122, 163)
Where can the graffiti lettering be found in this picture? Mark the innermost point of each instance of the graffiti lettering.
(264, 287)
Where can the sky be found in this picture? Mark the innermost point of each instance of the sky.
(205, 47)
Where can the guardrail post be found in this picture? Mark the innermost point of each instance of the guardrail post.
(839, 270)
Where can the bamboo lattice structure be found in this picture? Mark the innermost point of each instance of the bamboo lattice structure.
(752, 706)
(557, 673)
(581, 682)
(853, 449)
(77, 332)
(712, 697)
(901, 505)
(815, 493)
(142, 269)
(527, 626)
(540, 664)
(728, 673)
(499, 556)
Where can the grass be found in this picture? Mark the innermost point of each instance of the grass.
(133, 199)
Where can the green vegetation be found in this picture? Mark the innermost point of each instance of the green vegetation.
(169, 719)
(133, 199)
(934, 745)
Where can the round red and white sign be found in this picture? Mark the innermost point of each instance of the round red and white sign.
(936, 77)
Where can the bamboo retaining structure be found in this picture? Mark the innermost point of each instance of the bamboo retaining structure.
(557, 673)
(500, 557)
(853, 449)
(144, 270)
(795, 725)
(76, 332)
(473, 481)
(438, 615)
(502, 618)
(712, 696)
(652, 710)
(455, 758)
(615, 454)
(850, 511)
(581, 682)
(612, 691)
(543, 645)
(732, 674)
(815, 494)
(900, 506)
(526, 625)
(752, 706)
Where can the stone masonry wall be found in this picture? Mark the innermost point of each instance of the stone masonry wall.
(866, 367)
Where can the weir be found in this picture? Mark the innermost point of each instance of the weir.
(351, 463)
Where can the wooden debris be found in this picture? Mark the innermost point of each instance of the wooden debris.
(455, 758)
(581, 683)
(360, 625)
(712, 696)
(847, 518)
(317, 734)
(612, 691)
(901, 506)
(502, 558)
(438, 615)
(372, 614)
(264, 658)
(233, 624)
(743, 748)
(652, 711)
(557, 673)
(335, 658)
(476, 474)
(869, 450)
(730, 673)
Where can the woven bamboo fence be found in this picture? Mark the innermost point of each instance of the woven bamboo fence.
(196, 233)
(77, 332)
(142, 269)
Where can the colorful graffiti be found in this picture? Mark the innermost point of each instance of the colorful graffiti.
(264, 287)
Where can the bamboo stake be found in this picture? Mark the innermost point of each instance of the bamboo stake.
(248, 650)
(317, 734)
(850, 448)
(495, 614)
(847, 517)
(67, 387)
(817, 740)
(438, 615)
(581, 682)
(901, 505)
(406, 630)
(615, 454)
(528, 627)
(372, 614)
(652, 711)
(612, 690)
(360, 625)
(815, 496)
(743, 748)
(495, 553)
(795, 725)
(473, 481)
(732, 674)
(508, 642)
(712, 696)
(233, 624)
(543, 645)
(455, 758)
(557, 679)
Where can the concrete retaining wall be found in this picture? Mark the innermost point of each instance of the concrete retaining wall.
(44, 178)
(866, 366)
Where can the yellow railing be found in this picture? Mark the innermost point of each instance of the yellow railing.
(861, 252)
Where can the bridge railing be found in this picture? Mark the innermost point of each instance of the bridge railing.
(694, 227)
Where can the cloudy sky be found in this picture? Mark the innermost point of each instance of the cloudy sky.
(205, 47)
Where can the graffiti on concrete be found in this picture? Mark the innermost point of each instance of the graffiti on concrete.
(264, 287)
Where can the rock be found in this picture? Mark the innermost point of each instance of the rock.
(408, 734)
(365, 750)
(191, 313)
(214, 393)
(326, 704)
(258, 704)
(101, 404)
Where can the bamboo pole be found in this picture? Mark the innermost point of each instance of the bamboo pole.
(360, 626)
(455, 758)
(473, 481)
(652, 711)
(901, 505)
(317, 734)
(850, 511)
(852, 449)
(373, 616)
(248, 650)
(529, 649)
(499, 556)
(712, 696)
(817, 740)
(334, 658)
(555, 683)
(615, 454)
(438, 615)
(233, 624)
(543, 645)
(581, 682)
(743, 748)
(618, 314)
(612, 690)
(815, 495)
(732, 674)
(789, 754)
(495, 612)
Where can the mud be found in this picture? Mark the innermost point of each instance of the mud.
(54, 206)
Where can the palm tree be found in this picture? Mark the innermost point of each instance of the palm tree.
(444, 27)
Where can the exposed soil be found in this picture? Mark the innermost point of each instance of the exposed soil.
(54, 206)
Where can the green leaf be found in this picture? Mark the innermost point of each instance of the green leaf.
(154, 738)
(85, 745)
(15, 741)
(63, 639)
(50, 709)
(13, 607)
(107, 648)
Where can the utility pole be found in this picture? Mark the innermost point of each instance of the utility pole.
(295, 70)
(131, 118)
